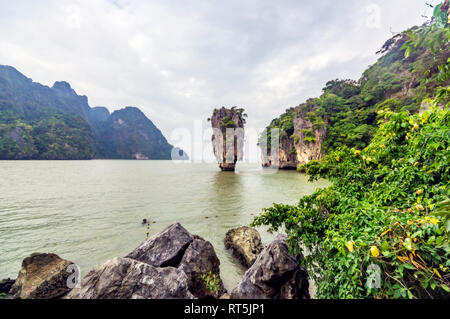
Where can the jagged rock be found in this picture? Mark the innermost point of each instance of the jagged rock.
(125, 278)
(245, 244)
(165, 248)
(42, 276)
(5, 285)
(200, 259)
(300, 145)
(274, 275)
(228, 137)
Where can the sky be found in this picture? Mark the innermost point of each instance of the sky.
(177, 60)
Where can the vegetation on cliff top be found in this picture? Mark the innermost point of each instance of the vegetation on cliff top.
(382, 229)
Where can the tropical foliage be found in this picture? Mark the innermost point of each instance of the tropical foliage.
(348, 109)
(382, 229)
(381, 209)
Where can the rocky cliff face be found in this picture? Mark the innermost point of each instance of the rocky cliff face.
(228, 136)
(300, 142)
(346, 113)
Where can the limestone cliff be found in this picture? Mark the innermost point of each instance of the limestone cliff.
(346, 114)
(228, 136)
(300, 140)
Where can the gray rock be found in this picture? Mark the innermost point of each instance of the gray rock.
(165, 248)
(245, 244)
(42, 276)
(5, 285)
(228, 149)
(124, 278)
(274, 275)
(198, 260)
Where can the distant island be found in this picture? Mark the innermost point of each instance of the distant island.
(42, 123)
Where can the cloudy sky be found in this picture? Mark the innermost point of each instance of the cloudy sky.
(177, 60)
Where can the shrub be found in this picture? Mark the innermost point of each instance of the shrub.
(385, 209)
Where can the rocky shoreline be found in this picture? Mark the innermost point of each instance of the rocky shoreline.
(172, 264)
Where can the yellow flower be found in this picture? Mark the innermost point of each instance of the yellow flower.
(374, 251)
(350, 246)
(419, 192)
(419, 207)
(434, 220)
(357, 153)
(437, 272)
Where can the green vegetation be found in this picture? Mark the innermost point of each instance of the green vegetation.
(212, 282)
(227, 115)
(382, 229)
(380, 209)
(57, 136)
(348, 109)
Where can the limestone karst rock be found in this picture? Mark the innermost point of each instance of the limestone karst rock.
(194, 256)
(245, 244)
(42, 276)
(276, 274)
(165, 248)
(198, 260)
(300, 143)
(228, 136)
(125, 278)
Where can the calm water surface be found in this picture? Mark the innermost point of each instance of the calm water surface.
(91, 211)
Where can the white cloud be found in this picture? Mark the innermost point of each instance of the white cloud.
(177, 60)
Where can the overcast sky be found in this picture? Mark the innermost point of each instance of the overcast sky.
(178, 60)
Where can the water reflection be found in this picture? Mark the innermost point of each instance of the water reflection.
(227, 191)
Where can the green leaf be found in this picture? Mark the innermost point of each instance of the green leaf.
(409, 266)
(441, 17)
(445, 287)
(385, 246)
(408, 244)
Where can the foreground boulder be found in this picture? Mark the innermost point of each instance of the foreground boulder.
(245, 244)
(192, 255)
(274, 275)
(5, 285)
(42, 276)
(165, 248)
(125, 278)
(200, 259)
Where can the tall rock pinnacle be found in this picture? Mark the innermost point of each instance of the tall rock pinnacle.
(228, 136)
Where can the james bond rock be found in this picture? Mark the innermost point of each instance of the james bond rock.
(228, 136)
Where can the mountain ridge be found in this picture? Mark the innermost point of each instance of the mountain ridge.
(42, 122)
